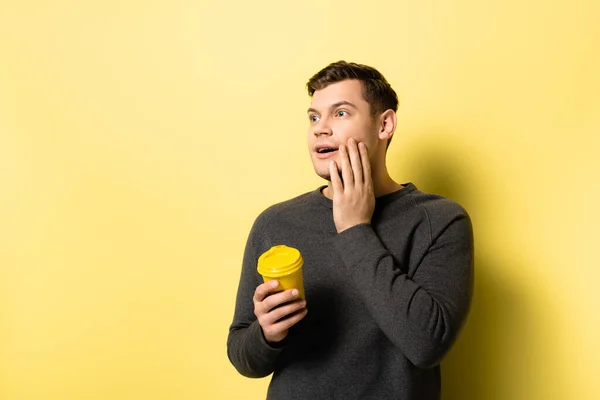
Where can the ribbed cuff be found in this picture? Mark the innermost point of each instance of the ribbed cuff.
(354, 244)
(263, 349)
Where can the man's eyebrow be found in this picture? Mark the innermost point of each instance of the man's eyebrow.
(335, 105)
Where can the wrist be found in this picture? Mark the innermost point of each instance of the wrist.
(270, 343)
(343, 228)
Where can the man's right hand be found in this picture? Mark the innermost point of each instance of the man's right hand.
(276, 321)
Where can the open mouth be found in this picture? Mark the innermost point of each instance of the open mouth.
(326, 152)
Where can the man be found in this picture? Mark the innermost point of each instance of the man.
(388, 269)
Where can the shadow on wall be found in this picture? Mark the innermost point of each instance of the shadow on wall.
(490, 358)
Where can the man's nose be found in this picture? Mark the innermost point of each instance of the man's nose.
(322, 128)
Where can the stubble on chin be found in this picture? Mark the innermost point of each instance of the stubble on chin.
(326, 176)
(323, 173)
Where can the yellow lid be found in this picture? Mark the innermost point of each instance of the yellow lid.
(279, 260)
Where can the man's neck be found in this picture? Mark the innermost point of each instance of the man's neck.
(382, 185)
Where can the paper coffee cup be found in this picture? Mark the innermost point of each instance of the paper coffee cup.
(284, 264)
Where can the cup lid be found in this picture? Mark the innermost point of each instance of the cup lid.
(279, 260)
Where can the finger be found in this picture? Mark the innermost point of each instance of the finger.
(366, 164)
(355, 160)
(287, 323)
(279, 313)
(284, 297)
(263, 290)
(346, 168)
(336, 181)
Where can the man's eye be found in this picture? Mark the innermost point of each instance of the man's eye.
(313, 118)
(341, 113)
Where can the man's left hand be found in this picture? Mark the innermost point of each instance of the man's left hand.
(353, 198)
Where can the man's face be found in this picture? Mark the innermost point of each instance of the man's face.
(337, 113)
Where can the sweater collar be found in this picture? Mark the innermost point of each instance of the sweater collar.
(379, 201)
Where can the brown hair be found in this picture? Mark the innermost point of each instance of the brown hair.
(375, 88)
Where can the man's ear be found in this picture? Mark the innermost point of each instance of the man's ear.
(387, 124)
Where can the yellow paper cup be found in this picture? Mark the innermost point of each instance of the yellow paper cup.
(284, 264)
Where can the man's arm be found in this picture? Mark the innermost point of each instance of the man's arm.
(247, 348)
(262, 318)
(421, 314)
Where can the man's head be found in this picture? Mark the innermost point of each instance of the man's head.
(349, 100)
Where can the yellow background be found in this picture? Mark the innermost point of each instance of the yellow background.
(140, 139)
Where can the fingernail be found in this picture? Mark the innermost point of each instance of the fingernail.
(274, 284)
(295, 292)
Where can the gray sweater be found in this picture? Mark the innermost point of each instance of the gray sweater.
(385, 300)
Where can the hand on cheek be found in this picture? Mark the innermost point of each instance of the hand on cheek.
(353, 198)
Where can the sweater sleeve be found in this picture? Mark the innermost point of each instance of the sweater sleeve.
(247, 348)
(423, 313)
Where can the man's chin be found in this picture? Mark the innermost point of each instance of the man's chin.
(322, 168)
(324, 175)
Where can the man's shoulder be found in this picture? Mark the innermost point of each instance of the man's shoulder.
(442, 213)
(295, 206)
(438, 208)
